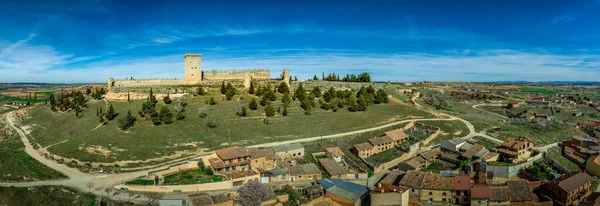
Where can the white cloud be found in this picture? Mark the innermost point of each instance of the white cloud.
(565, 18)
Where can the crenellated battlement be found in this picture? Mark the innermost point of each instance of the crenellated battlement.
(193, 74)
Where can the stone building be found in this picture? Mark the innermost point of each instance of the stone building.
(570, 190)
(387, 194)
(231, 160)
(194, 75)
(289, 151)
(437, 189)
(515, 149)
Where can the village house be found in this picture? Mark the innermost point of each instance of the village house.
(263, 159)
(453, 144)
(363, 150)
(436, 189)
(392, 178)
(289, 151)
(475, 151)
(413, 180)
(308, 171)
(499, 196)
(381, 144)
(333, 168)
(203, 199)
(579, 149)
(480, 195)
(515, 150)
(387, 194)
(512, 105)
(345, 193)
(277, 175)
(462, 189)
(519, 193)
(231, 160)
(570, 190)
(397, 135)
(541, 117)
(335, 153)
(592, 165)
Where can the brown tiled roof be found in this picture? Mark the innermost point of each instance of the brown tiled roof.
(416, 162)
(332, 167)
(518, 190)
(363, 146)
(462, 182)
(489, 155)
(575, 181)
(499, 194)
(220, 198)
(264, 152)
(387, 188)
(473, 150)
(335, 151)
(480, 191)
(434, 181)
(232, 153)
(431, 153)
(392, 177)
(380, 140)
(514, 143)
(201, 199)
(396, 135)
(216, 163)
(310, 168)
(412, 178)
(295, 170)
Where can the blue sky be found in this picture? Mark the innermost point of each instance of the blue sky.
(89, 41)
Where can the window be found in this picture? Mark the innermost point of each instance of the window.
(444, 194)
(444, 199)
(430, 193)
(457, 192)
(231, 161)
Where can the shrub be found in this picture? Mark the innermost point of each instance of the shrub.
(126, 122)
(167, 99)
(253, 105)
(180, 116)
(211, 124)
(269, 110)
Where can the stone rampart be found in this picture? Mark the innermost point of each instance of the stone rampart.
(235, 74)
(146, 82)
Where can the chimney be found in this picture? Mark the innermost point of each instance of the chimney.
(394, 189)
(382, 190)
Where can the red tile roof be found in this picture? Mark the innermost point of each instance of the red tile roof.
(480, 191)
(363, 146)
(462, 182)
(232, 153)
(397, 134)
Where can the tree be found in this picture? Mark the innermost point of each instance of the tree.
(88, 91)
(269, 110)
(200, 90)
(283, 88)
(305, 104)
(167, 99)
(126, 122)
(165, 115)
(253, 105)
(285, 112)
(253, 193)
(179, 116)
(286, 99)
(315, 77)
(223, 88)
(110, 113)
(352, 103)
(211, 101)
(316, 91)
(128, 97)
(243, 113)
(251, 89)
(152, 98)
(300, 93)
(230, 91)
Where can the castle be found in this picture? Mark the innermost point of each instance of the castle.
(194, 75)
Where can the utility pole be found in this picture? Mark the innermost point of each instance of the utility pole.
(229, 134)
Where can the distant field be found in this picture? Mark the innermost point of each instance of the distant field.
(541, 90)
(40, 98)
(144, 140)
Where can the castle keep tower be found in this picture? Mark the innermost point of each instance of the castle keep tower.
(193, 68)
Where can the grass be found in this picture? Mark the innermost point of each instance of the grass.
(450, 130)
(541, 90)
(144, 140)
(483, 141)
(539, 137)
(385, 156)
(5, 109)
(192, 177)
(16, 165)
(11, 98)
(140, 182)
(44, 195)
(555, 154)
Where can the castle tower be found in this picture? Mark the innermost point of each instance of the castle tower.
(286, 76)
(193, 68)
(110, 83)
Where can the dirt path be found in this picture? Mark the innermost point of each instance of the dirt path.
(492, 113)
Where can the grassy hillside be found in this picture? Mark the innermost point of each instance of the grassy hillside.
(44, 195)
(18, 166)
(145, 140)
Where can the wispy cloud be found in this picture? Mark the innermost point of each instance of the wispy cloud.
(565, 18)
(10, 48)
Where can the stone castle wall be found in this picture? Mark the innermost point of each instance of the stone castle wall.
(146, 82)
(234, 74)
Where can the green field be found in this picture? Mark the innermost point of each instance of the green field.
(555, 154)
(16, 165)
(192, 177)
(483, 141)
(44, 195)
(11, 98)
(541, 90)
(144, 140)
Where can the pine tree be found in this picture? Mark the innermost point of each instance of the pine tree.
(128, 98)
(269, 110)
(253, 105)
(244, 112)
(110, 113)
(251, 90)
(285, 112)
(286, 99)
(223, 88)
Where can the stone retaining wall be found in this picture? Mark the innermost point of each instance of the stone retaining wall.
(513, 170)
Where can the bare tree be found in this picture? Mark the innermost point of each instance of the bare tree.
(131, 196)
(90, 185)
(253, 193)
(152, 197)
